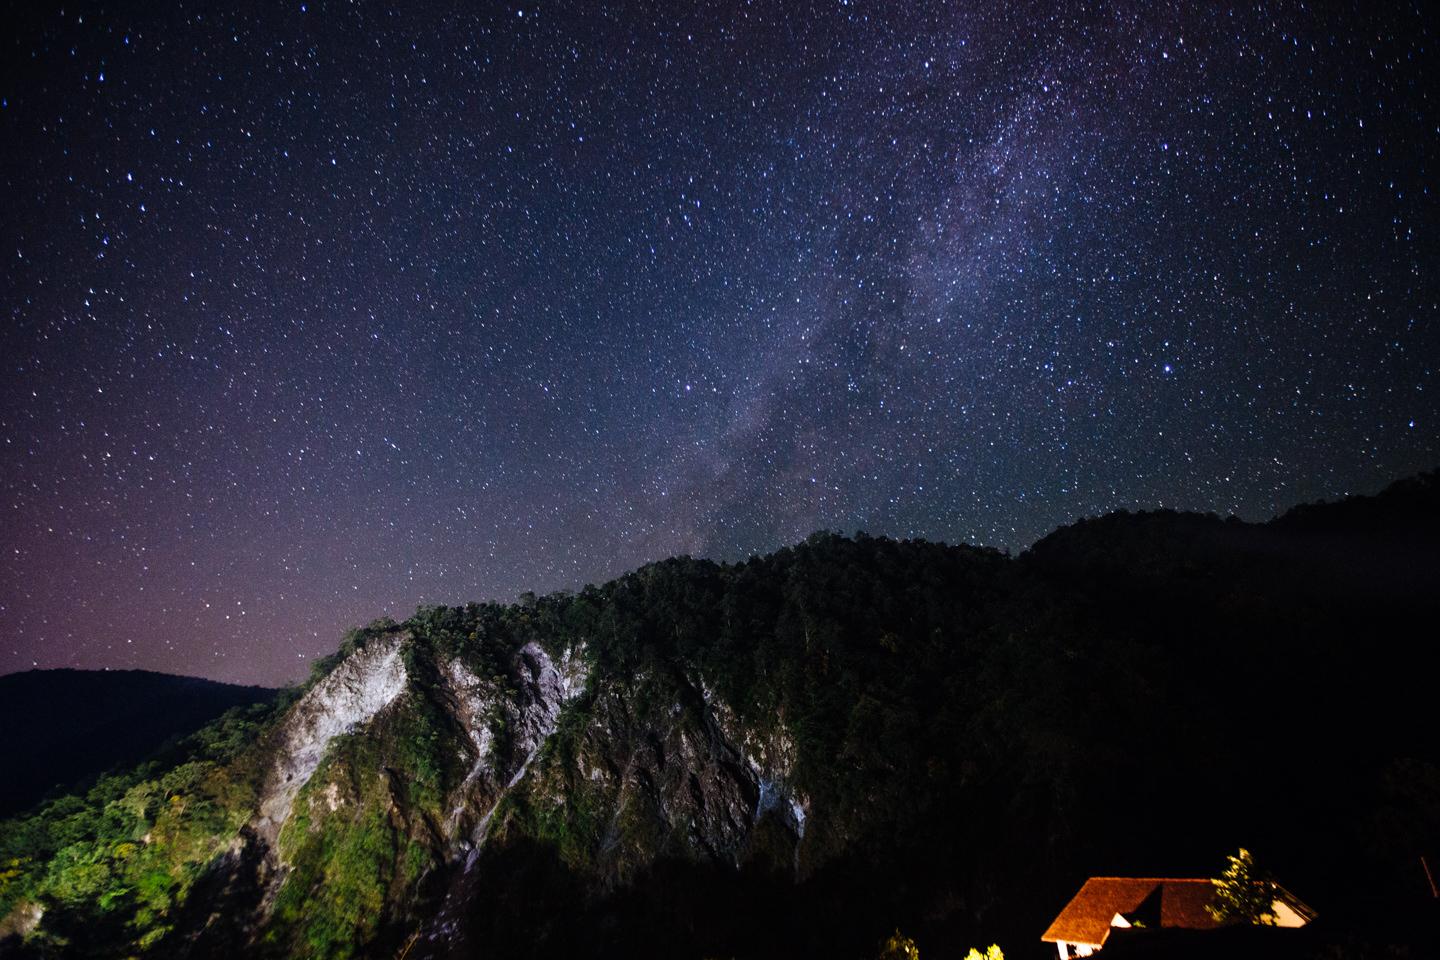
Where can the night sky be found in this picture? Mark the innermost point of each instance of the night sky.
(316, 312)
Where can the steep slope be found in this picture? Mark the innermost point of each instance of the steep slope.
(63, 728)
(792, 756)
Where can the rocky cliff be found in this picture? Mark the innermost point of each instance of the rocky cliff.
(383, 783)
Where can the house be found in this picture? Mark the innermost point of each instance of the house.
(1105, 904)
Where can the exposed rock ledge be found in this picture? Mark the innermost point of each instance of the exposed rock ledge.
(358, 689)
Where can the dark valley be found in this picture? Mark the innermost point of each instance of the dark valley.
(65, 727)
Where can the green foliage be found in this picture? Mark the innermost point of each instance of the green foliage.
(361, 835)
(354, 639)
(1243, 893)
(342, 861)
(124, 861)
(123, 857)
(899, 947)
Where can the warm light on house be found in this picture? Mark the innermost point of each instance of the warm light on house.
(1105, 904)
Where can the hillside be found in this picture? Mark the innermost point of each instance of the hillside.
(63, 728)
(794, 755)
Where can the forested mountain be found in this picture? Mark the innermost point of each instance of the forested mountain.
(797, 754)
(63, 728)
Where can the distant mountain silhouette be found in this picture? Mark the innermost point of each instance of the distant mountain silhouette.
(63, 728)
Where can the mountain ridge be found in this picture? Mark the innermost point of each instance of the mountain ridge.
(64, 727)
(789, 754)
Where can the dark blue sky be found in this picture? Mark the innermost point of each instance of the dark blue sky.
(318, 312)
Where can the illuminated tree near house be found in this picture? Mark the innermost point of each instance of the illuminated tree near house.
(1243, 894)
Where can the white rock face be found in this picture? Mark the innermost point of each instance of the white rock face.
(472, 703)
(554, 682)
(770, 759)
(546, 685)
(358, 689)
(22, 920)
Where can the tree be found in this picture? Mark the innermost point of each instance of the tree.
(899, 947)
(992, 952)
(1243, 894)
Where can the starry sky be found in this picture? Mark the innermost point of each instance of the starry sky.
(318, 311)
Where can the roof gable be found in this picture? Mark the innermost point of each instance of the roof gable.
(1176, 902)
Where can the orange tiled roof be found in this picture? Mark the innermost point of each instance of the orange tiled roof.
(1086, 918)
